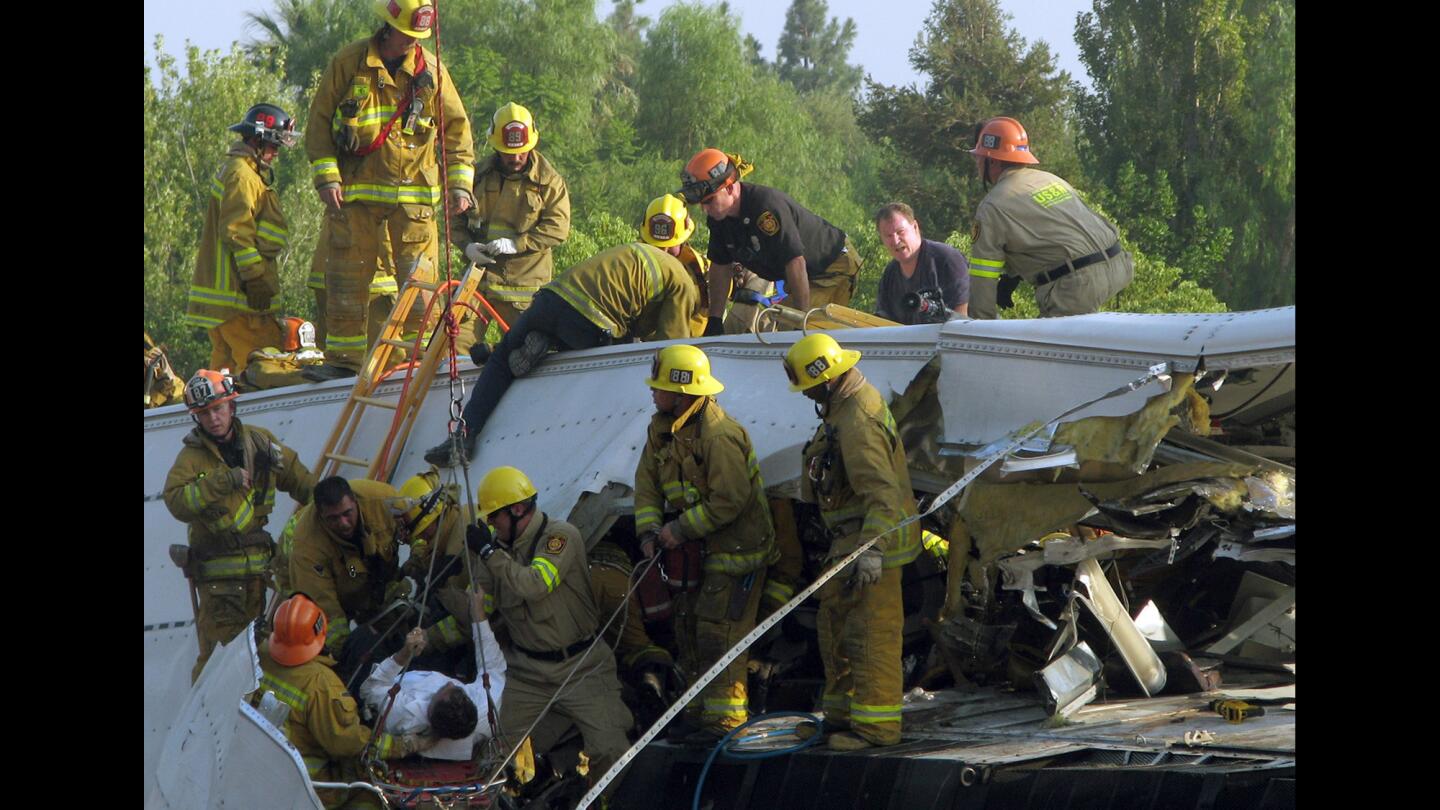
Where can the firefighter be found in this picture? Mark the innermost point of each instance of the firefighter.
(236, 277)
(323, 723)
(373, 156)
(698, 466)
(533, 573)
(522, 211)
(639, 290)
(345, 556)
(162, 386)
(223, 486)
(854, 469)
(646, 665)
(1033, 226)
(773, 236)
(435, 524)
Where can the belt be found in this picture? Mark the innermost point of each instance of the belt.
(557, 656)
(1069, 267)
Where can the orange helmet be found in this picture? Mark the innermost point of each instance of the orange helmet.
(706, 173)
(299, 632)
(209, 388)
(1004, 140)
(299, 334)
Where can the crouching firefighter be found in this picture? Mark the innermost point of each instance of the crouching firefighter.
(345, 555)
(533, 573)
(222, 486)
(699, 464)
(322, 720)
(854, 470)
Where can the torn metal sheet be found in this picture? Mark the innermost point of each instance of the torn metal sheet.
(1070, 681)
(1133, 647)
(1235, 550)
(1273, 494)
(1018, 572)
(1153, 626)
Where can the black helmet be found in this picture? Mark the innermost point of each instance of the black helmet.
(270, 123)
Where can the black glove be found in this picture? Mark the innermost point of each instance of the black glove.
(715, 326)
(1005, 291)
(480, 541)
(480, 352)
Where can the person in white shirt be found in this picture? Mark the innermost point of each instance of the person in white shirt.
(436, 704)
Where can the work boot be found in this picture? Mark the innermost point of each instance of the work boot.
(848, 741)
(679, 729)
(703, 737)
(326, 371)
(524, 357)
(444, 455)
(480, 352)
(806, 729)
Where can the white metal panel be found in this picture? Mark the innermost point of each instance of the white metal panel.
(579, 421)
(221, 752)
(996, 376)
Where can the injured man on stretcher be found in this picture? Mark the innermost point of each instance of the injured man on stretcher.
(434, 704)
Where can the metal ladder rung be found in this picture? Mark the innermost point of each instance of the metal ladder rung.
(428, 286)
(378, 403)
(358, 462)
(399, 344)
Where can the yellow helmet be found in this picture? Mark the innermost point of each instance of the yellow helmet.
(413, 18)
(684, 370)
(512, 130)
(815, 359)
(425, 495)
(667, 222)
(502, 487)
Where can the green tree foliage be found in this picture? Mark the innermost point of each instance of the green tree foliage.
(622, 102)
(1202, 91)
(813, 48)
(976, 67)
(309, 31)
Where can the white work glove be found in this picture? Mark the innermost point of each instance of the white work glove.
(500, 247)
(866, 570)
(476, 252)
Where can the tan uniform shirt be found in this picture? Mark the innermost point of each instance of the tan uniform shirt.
(541, 588)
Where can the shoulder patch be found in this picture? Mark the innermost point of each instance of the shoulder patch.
(975, 232)
(768, 224)
(555, 544)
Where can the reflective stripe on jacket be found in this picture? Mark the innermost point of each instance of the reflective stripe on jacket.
(634, 289)
(243, 234)
(533, 209)
(200, 492)
(405, 167)
(706, 472)
(856, 472)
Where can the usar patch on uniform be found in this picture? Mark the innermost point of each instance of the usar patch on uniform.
(768, 223)
(555, 544)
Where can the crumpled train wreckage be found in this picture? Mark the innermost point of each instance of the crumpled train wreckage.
(1108, 611)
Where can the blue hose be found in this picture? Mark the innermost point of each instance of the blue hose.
(733, 734)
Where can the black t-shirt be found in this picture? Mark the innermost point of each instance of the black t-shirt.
(770, 230)
(937, 267)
